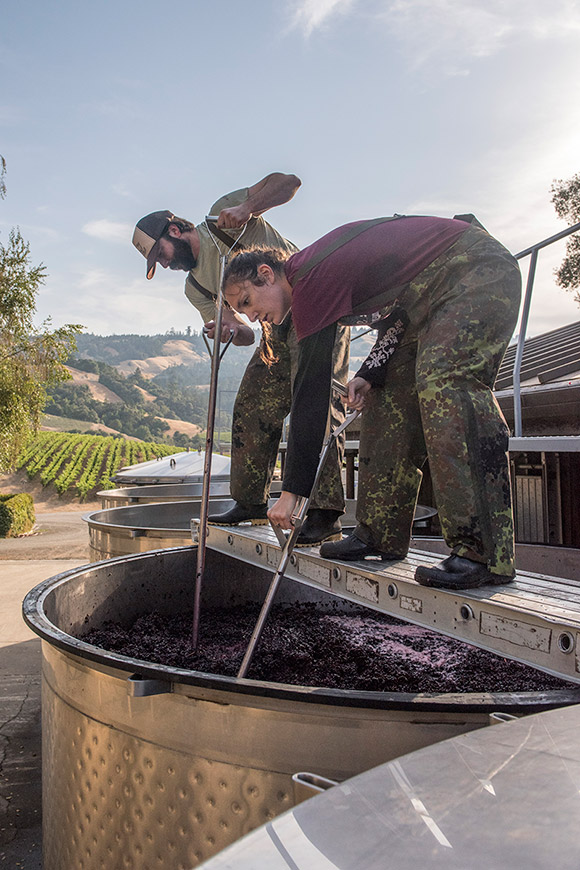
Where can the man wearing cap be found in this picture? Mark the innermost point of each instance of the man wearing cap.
(265, 393)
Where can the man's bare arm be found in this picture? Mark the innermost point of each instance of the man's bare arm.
(275, 189)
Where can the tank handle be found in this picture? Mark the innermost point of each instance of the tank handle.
(142, 687)
(498, 718)
(306, 785)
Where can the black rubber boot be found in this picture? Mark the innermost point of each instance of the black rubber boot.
(320, 525)
(352, 548)
(256, 514)
(456, 572)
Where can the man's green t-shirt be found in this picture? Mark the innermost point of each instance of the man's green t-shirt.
(207, 269)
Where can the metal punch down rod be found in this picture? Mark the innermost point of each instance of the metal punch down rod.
(216, 356)
(287, 542)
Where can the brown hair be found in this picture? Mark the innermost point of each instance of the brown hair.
(243, 266)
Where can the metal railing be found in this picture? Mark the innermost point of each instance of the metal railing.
(533, 252)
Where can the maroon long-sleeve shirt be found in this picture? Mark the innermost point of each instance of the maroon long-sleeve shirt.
(380, 260)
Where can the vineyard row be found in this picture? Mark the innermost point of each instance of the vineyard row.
(84, 462)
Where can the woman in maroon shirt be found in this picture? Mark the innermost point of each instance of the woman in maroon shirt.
(444, 297)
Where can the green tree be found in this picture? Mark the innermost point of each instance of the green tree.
(566, 201)
(2, 177)
(31, 358)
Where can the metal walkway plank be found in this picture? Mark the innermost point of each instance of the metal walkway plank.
(534, 620)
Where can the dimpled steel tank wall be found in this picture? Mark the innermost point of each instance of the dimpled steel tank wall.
(146, 766)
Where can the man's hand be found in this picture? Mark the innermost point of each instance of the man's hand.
(357, 391)
(281, 512)
(235, 217)
(275, 189)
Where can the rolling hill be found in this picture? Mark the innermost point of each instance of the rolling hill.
(145, 387)
(154, 387)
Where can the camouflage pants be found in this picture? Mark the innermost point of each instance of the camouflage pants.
(438, 404)
(262, 403)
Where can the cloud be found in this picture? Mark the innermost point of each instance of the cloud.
(108, 231)
(309, 15)
(449, 34)
(93, 278)
(453, 32)
(122, 189)
(47, 235)
(108, 303)
(445, 32)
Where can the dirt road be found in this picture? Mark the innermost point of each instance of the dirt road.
(56, 535)
(58, 543)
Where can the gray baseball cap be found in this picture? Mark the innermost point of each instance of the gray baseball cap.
(146, 236)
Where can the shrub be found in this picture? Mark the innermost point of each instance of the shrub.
(16, 514)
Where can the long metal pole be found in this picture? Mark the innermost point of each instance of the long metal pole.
(520, 347)
(211, 407)
(533, 250)
(204, 507)
(287, 544)
(545, 242)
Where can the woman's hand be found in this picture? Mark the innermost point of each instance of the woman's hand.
(227, 330)
(243, 335)
(357, 391)
(281, 512)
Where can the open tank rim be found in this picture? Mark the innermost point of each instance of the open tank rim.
(138, 490)
(159, 505)
(171, 506)
(92, 517)
(478, 702)
(138, 480)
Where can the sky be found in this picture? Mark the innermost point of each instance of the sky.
(109, 111)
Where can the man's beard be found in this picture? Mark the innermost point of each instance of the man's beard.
(183, 259)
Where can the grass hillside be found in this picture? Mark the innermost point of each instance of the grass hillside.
(51, 423)
(91, 380)
(153, 388)
(163, 355)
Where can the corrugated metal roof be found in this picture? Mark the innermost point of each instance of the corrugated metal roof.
(549, 357)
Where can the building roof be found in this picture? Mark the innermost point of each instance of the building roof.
(552, 356)
(550, 382)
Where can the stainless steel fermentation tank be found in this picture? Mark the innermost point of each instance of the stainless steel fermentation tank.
(136, 528)
(146, 766)
(112, 498)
